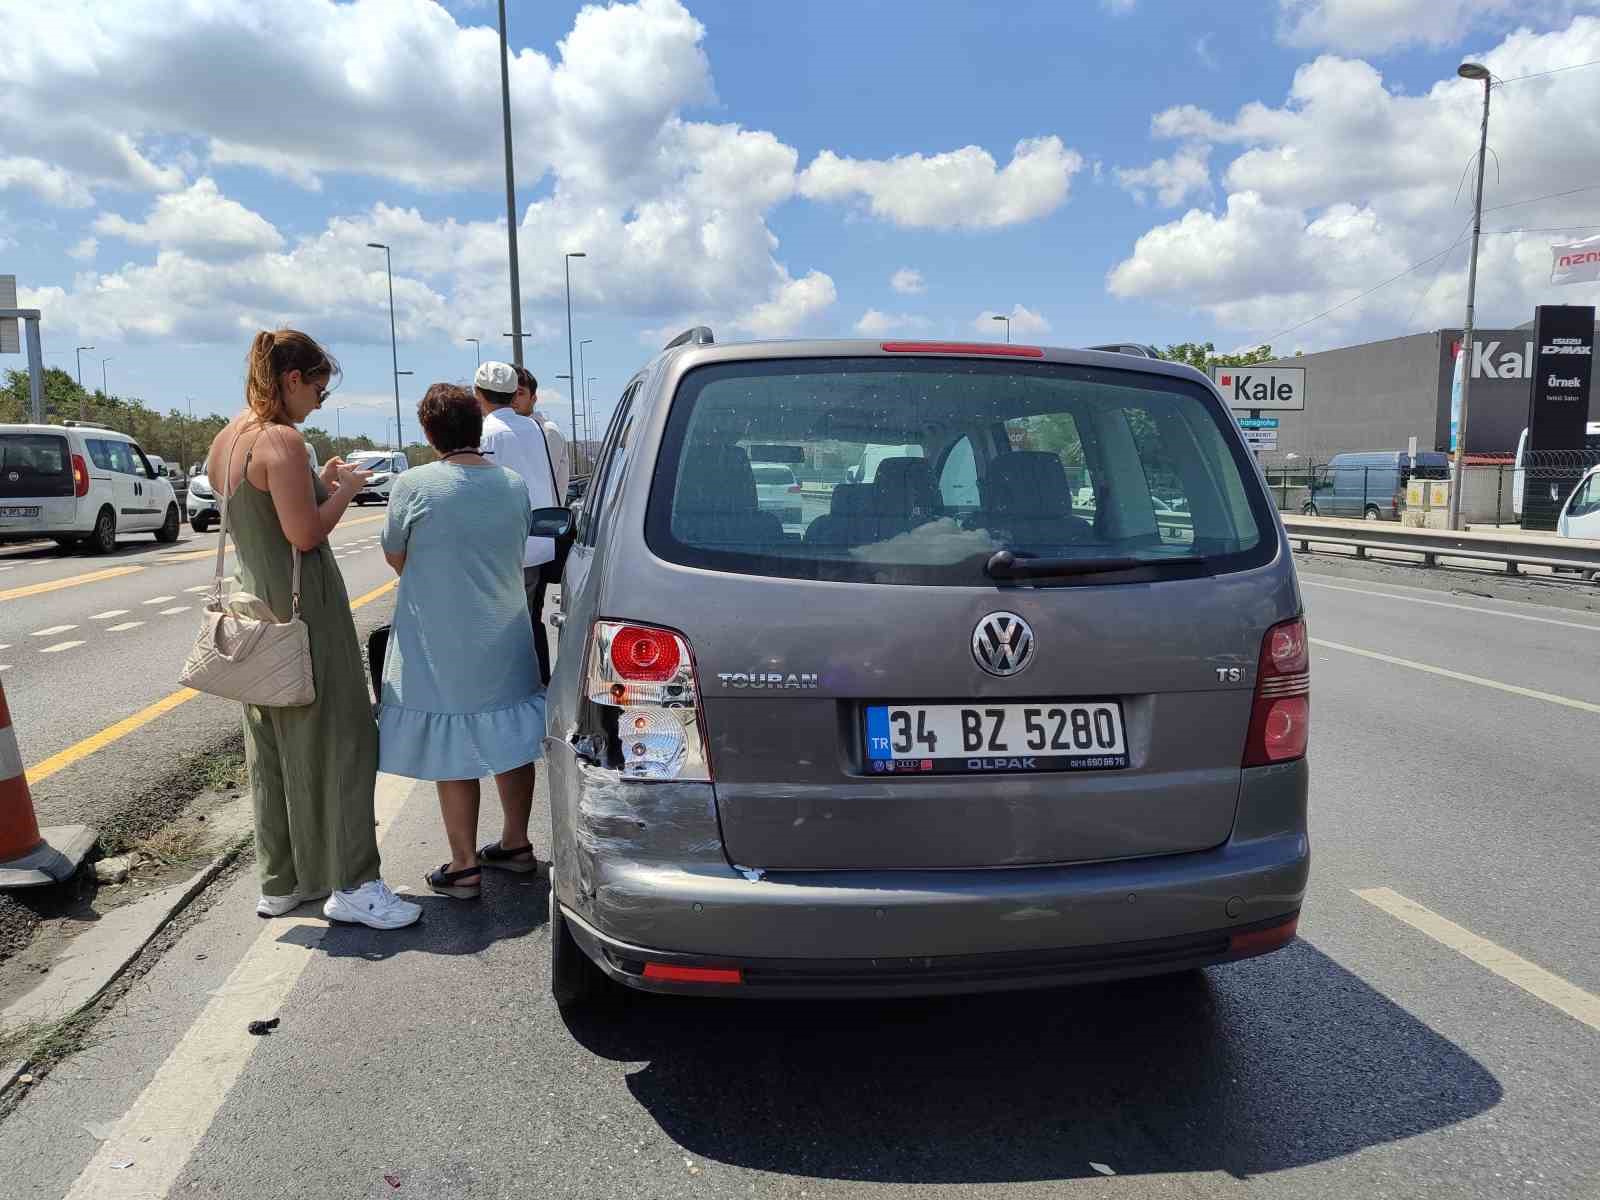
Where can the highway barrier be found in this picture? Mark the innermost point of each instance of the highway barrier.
(1511, 550)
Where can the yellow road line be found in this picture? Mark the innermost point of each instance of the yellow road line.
(1535, 980)
(1531, 693)
(81, 750)
(55, 585)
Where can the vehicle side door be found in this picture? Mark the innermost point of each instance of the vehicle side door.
(1582, 516)
(126, 492)
(150, 488)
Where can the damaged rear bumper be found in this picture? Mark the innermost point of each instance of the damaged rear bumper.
(641, 875)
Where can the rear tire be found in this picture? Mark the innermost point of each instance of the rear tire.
(168, 533)
(575, 982)
(104, 538)
(1372, 513)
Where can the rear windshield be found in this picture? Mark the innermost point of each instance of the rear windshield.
(918, 470)
(773, 474)
(34, 464)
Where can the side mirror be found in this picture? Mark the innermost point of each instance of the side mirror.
(552, 523)
(853, 475)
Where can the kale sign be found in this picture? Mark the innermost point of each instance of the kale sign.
(1262, 388)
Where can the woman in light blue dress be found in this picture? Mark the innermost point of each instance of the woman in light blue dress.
(461, 696)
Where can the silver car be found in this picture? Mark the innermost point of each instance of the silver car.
(956, 733)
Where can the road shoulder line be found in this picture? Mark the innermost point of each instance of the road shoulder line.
(1462, 676)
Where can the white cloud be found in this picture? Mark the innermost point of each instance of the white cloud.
(1023, 321)
(1173, 180)
(85, 249)
(51, 184)
(881, 324)
(201, 221)
(1204, 52)
(959, 189)
(908, 282)
(1119, 8)
(1349, 182)
(792, 306)
(1379, 26)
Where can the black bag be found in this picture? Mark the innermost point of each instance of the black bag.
(377, 647)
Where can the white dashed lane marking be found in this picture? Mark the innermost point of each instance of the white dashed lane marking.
(53, 630)
(106, 616)
(124, 625)
(160, 599)
(59, 646)
(204, 587)
(167, 612)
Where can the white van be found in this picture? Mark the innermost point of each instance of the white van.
(1591, 441)
(82, 486)
(202, 498)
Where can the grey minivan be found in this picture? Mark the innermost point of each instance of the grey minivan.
(961, 728)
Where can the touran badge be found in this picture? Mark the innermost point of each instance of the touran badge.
(1002, 643)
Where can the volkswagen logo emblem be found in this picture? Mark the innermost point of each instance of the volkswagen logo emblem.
(1003, 643)
(14, 477)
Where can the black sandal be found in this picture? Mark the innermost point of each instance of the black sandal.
(448, 883)
(520, 860)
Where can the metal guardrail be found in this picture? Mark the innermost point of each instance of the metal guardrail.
(1434, 544)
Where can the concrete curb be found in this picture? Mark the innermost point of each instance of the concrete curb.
(101, 955)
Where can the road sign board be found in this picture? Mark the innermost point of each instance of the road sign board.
(1247, 388)
(1258, 422)
(10, 335)
(1261, 439)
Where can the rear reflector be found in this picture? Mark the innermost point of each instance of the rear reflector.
(1260, 941)
(999, 348)
(668, 973)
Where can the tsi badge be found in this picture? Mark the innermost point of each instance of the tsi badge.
(752, 680)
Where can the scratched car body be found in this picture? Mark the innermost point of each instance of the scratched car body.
(983, 721)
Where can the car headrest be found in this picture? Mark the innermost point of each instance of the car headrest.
(905, 486)
(1027, 483)
(850, 500)
(716, 478)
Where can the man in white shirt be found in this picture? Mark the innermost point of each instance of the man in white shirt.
(516, 442)
(527, 396)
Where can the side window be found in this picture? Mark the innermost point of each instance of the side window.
(100, 453)
(141, 464)
(121, 460)
(399, 464)
(958, 480)
(613, 454)
(1586, 499)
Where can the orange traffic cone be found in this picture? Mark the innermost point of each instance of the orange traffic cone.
(29, 857)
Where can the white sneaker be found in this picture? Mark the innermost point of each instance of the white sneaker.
(371, 904)
(278, 906)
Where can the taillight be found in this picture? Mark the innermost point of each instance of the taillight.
(80, 477)
(1280, 716)
(647, 676)
(794, 490)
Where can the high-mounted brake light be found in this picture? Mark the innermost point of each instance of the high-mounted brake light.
(1280, 715)
(1000, 348)
(80, 477)
(647, 674)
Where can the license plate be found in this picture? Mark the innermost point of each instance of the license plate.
(18, 513)
(1041, 735)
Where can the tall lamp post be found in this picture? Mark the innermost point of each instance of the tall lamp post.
(105, 389)
(511, 195)
(83, 397)
(572, 389)
(399, 441)
(394, 346)
(477, 349)
(576, 441)
(1007, 320)
(588, 406)
(1470, 70)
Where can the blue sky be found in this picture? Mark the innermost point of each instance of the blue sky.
(1100, 170)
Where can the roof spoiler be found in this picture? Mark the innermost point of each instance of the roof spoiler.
(1133, 348)
(700, 335)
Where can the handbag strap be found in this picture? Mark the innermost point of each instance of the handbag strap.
(222, 536)
(557, 499)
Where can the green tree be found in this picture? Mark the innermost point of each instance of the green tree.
(1203, 356)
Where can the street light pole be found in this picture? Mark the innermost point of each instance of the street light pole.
(588, 407)
(477, 349)
(572, 397)
(394, 345)
(511, 194)
(1470, 70)
(105, 389)
(83, 397)
(581, 376)
(1007, 320)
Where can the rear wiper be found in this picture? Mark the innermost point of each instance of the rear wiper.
(1006, 564)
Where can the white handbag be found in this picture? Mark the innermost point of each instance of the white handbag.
(243, 652)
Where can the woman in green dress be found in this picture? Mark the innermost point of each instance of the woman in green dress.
(312, 768)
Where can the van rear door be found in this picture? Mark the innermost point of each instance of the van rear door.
(37, 491)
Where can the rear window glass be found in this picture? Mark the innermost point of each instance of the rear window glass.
(34, 464)
(773, 474)
(920, 470)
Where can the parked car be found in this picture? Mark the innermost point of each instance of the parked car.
(921, 745)
(1580, 516)
(1519, 473)
(1371, 484)
(384, 465)
(777, 491)
(202, 502)
(81, 485)
(179, 482)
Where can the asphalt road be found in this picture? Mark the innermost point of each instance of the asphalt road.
(1387, 1053)
(90, 641)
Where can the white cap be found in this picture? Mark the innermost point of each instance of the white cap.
(497, 377)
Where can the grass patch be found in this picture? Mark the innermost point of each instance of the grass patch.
(224, 771)
(177, 845)
(19, 1040)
